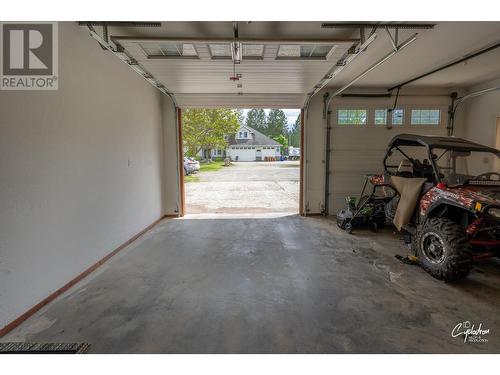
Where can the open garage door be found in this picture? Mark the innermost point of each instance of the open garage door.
(241, 161)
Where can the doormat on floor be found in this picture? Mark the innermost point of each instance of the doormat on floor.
(39, 348)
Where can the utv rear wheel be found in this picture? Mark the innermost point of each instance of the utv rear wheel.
(443, 249)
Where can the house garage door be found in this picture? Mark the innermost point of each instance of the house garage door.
(269, 152)
(244, 154)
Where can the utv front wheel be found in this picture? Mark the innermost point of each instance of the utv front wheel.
(443, 249)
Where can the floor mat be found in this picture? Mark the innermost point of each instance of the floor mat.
(43, 348)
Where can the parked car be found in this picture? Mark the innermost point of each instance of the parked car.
(195, 163)
(189, 167)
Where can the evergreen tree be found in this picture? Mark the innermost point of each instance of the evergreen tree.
(294, 133)
(261, 120)
(276, 123)
(251, 119)
(240, 116)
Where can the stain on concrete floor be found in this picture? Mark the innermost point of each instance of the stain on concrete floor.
(268, 284)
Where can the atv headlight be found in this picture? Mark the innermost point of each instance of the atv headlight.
(495, 212)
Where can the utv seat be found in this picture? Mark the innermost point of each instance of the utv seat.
(405, 169)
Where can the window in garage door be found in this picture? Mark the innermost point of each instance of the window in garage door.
(425, 116)
(354, 116)
(382, 117)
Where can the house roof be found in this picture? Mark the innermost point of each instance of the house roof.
(258, 139)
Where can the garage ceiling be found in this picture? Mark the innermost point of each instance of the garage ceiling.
(448, 41)
(270, 82)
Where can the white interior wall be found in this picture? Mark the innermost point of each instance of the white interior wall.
(358, 150)
(481, 115)
(314, 156)
(170, 158)
(80, 171)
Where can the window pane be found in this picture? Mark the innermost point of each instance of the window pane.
(289, 51)
(321, 50)
(380, 116)
(169, 49)
(151, 49)
(304, 51)
(253, 50)
(188, 50)
(425, 116)
(397, 117)
(351, 117)
(220, 50)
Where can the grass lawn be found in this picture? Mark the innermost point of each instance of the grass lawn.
(210, 167)
(204, 167)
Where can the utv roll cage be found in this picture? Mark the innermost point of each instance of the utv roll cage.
(431, 142)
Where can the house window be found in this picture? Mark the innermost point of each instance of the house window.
(425, 116)
(381, 117)
(351, 117)
(245, 134)
(219, 152)
(241, 136)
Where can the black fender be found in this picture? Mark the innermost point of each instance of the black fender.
(442, 204)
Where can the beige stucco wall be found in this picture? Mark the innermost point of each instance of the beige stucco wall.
(482, 113)
(81, 170)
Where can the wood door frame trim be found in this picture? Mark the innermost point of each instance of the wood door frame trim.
(182, 192)
(302, 165)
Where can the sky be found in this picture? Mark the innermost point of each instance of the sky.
(291, 114)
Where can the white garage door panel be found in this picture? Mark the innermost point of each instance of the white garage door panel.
(269, 152)
(360, 151)
(346, 161)
(243, 154)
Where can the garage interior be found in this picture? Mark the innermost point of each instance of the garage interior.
(95, 245)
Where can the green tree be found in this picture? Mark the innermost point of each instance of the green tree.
(294, 133)
(240, 116)
(207, 128)
(276, 123)
(261, 121)
(282, 140)
(251, 119)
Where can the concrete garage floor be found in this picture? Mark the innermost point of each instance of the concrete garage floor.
(268, 284)
(246, 187)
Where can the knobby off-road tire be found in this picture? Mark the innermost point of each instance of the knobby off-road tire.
(455, 260)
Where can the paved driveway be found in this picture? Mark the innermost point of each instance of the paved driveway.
(246, 187)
